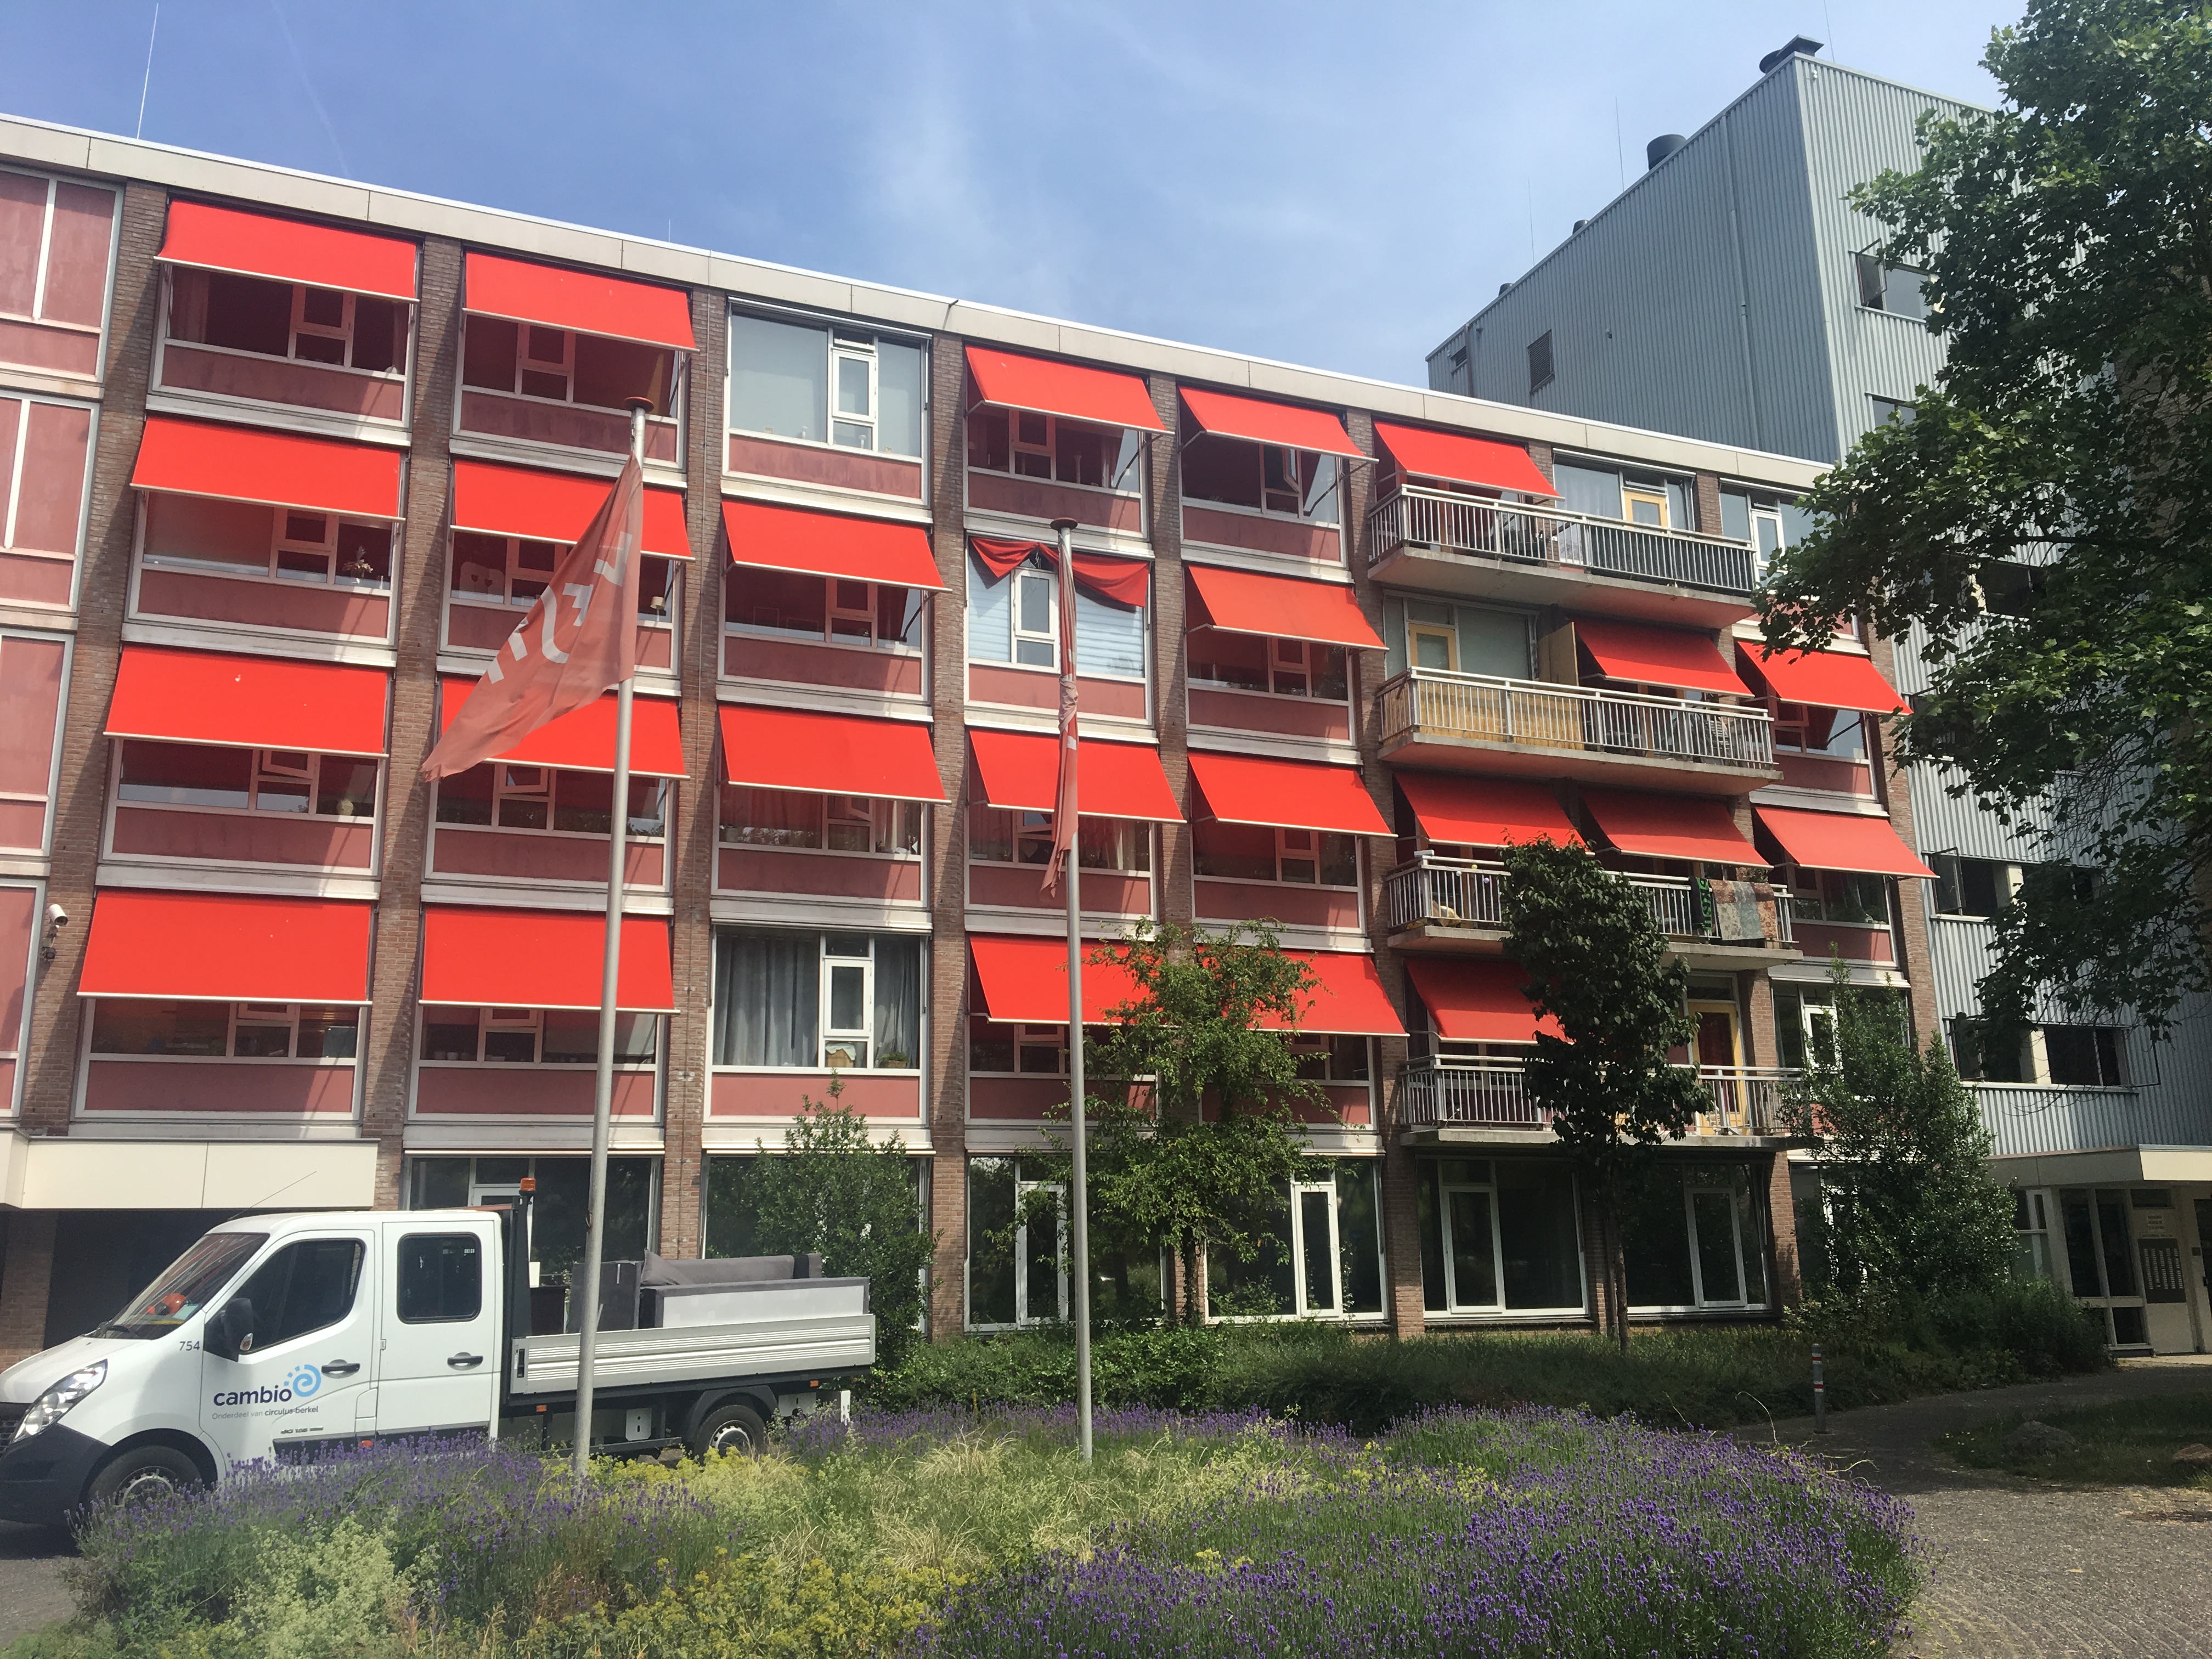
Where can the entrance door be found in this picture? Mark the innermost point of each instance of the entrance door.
(1432, 647)
(1716, 1046)
(1314, 1248)
(440, 1362)
(309, 1372)
(1718, 1256)
(1040, 1275)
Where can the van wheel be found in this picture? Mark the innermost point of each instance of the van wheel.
(732, 1428)
(142, 1474)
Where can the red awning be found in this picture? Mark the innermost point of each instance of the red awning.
(1348, 1001)
(1294, 794)
(827, 754)
(1281, 607)
(285, 469)
(1670, 827)
(1125, 581)
(588, 301)
(583, 739)
(1657, 656)
(1265, 422)
(489, 958)
(1024, 981)
(225, 947)
(1477, 1001)
(288, 250)
(1461, 458)
(1827, 679)
(830, 544)
(555, 506)
(247, 703)
(1464, 811)
(1112, 779)
(1104, 395)
(1857, 842)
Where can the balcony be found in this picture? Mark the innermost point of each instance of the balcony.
(1445, 542)
(1434, 717)
(1492, 1094)
(1436, 904)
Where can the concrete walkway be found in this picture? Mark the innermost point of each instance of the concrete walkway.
(2029, 1569)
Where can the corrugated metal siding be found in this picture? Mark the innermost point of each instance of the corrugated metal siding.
(2024, 1121)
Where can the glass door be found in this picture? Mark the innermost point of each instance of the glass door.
(1716, 1255)
(1314, 1247)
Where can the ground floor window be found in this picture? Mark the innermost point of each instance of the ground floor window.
(1320, 1255)
(2031, 1221)
(1499, 1236)
(1018, 1253)
(730, 1223)
(561, 1202)
(2102, 1241)
(1695, 1237)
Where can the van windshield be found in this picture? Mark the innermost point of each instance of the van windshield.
(188, 1285)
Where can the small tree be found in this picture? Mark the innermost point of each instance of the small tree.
(1906, 1201)
(835, 1190)
(1162, 1172)
(1598, 964)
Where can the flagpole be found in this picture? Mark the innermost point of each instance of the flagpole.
(603, 1090)
(1080, 1199)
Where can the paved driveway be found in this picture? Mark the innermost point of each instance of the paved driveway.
(31, 1593)
(2030, 1569)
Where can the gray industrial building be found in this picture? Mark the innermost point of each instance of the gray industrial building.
(1731, 293)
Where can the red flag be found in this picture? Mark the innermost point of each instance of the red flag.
(578, 640)
(1063, 800)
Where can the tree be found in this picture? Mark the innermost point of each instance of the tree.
(2058, 475)
(1598, 963)
(1209, 1024)
(834, 1189)
(1906, 1201)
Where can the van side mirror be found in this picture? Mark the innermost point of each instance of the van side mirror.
(230, 1329)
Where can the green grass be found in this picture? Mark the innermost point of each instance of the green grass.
(2125, 1445)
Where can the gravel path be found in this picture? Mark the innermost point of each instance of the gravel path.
(2030, 1569)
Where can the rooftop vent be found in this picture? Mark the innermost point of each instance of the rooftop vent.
(1662, 147)
(1578, 230)
(1798, 46)
(1505, 288)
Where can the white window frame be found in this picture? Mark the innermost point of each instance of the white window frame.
(835, 1039)
(503, 788)
(1022, 1190)
(304, 328)
(1489, 1189)
(263, 764)
(1691, 1191)
(851, 345)
(886, 813)
(1049, 450)
(235, 1017)
(833, 613)
(280, 541)
(1047, 638)
(515, 571)
(1300, 1308)
(532, 1020)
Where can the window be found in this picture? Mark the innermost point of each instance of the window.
(305, 1287)
(549, 799)
(1695, 1237)
(1016, 619)
(1837, 734)
(1887, 410)
(791, 606)
(1603, 492)
(2010, 590)
(232, 313)
(835, 823)
(2100, 1259)
(558, 365)
(1769, 522)
(185, 1287)
(203, 777)
(2031, 1221)
(1029, 445)
(1002, 835)
(2081, 1056)
(1981, 1056)
(785, 377)
(1500, 1235)
(1470, 638)
(1331, 1059)
(1318, 1256)
(1894, 289)
(1264, 477)
(810, 1001)
(441, 1278)
(1539, 362)
(534, 1037)
(1851, 896)
(558, 1211)
(1285, 668)
(1257, 852)
(1973, 887)
(173, 1029)
(514, 570)
(1012, 1050)
(1016, 1272)
(241, 539)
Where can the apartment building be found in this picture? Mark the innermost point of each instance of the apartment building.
(1732, 294)
(292, 454)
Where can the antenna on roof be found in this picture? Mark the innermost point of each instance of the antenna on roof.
(145, 85)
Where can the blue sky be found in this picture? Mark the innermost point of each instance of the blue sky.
(1331, 184)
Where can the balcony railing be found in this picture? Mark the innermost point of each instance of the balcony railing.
(1434, 520)
(1470, 893)
(1435, 702)
(1493, 1094)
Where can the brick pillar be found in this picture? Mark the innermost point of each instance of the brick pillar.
(103, 585)
(688, 1069)
(1761, 1042)
(387, 1049)
(948, 844)
(25, 1279)
(1708, 504)
(1782, 1213)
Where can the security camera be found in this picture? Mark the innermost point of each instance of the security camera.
(56, 916)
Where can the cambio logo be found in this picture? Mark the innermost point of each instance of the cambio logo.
(304, 1382)
(301, 1385)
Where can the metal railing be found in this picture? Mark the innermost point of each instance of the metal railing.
(1471, 893)
(1494, 1094)
(1433, 702)
(1414, 517)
